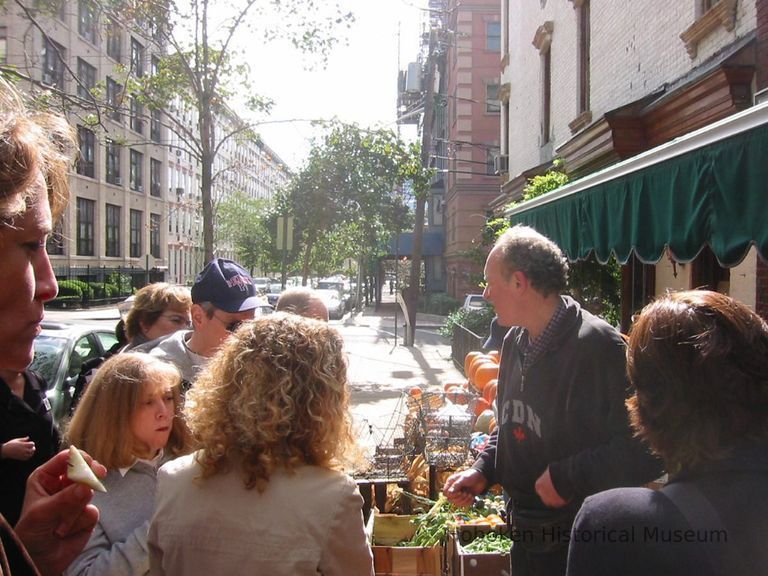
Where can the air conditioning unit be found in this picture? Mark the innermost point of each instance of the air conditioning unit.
(501, 164)
(118, 181)
(140, 188)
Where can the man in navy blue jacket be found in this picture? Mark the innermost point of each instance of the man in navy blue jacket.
(563, 429)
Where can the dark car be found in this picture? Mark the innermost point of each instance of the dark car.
(60, 351)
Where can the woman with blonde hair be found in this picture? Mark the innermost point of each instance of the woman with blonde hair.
(263, 494)
(128, 421)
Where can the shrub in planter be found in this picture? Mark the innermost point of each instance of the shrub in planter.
(477, 321)
(70, 288)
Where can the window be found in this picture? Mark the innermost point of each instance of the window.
(113, 163)
(53, 68)
(137, 111)
(55, 244)
(154, 66)
(135, 248)
(136, 174)
(113, 230)
(155, 128)
(114, 40)
(87, 20)
(86, 159)
(543, 42)
(114, 99)
(86, 75)
(155, 170)
(583, 40)
(546, 96)
(137, 58)
(490, 162)
(704, 6)
(3, 44)
(154, 235)
(493, 36)
(492, 105)
(85, 210)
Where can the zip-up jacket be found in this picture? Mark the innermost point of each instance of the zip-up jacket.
(567, 412)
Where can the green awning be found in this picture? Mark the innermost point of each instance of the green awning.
(708, 187)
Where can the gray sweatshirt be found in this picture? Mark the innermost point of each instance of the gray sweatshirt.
(118, 545)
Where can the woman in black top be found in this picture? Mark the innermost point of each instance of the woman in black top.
(27, 433)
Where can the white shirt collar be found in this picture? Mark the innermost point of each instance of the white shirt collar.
(153, 462)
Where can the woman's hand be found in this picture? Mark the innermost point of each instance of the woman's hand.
(18, 449)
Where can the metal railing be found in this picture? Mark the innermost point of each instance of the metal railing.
(463, 341)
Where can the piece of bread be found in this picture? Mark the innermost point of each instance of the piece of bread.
(79, 471)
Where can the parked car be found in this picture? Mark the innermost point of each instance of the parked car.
(262, 284)
(474, 302)
(338, 286)
(60, 351)
(332, 301)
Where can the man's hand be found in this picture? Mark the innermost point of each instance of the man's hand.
(462, 487)
(57, 519)
(546, 491)
(18, 449)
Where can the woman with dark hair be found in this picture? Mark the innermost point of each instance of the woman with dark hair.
(158, 309)
(699, 363)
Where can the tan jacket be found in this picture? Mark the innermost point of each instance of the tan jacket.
(308, 523)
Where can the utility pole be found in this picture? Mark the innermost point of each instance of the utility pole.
(421, 195)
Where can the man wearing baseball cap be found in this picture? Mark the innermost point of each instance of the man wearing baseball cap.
(223, 295)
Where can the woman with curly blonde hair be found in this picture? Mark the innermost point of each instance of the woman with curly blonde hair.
(263, 494)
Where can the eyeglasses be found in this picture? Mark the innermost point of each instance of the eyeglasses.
(182, 321)
(230, 326)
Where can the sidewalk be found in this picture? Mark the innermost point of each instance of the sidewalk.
(382, 370)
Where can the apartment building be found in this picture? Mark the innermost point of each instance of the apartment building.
(115, 220)
(136, 201)
(244, 164)
(652, 107)
(473, 53)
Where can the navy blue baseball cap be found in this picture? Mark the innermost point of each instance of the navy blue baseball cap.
(226, 285)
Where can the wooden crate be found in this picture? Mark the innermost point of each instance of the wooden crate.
(399, 560)
(477, 564)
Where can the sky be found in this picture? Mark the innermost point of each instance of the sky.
(359, 83)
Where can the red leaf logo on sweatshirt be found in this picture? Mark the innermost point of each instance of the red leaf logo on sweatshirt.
(519, 434)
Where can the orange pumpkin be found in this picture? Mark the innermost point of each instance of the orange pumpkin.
(486, 372)
(468, 360)
(415, 391)
(495, 356)
(481, 405)
(448, 385)
(489, 392)
(475, 365)
(458, 395)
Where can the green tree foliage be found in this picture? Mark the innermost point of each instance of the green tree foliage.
(249, 223)
(346, 198)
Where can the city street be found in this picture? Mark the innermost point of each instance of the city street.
(381, 370)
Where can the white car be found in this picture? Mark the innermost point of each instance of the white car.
(332, 301)
(474, 302)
